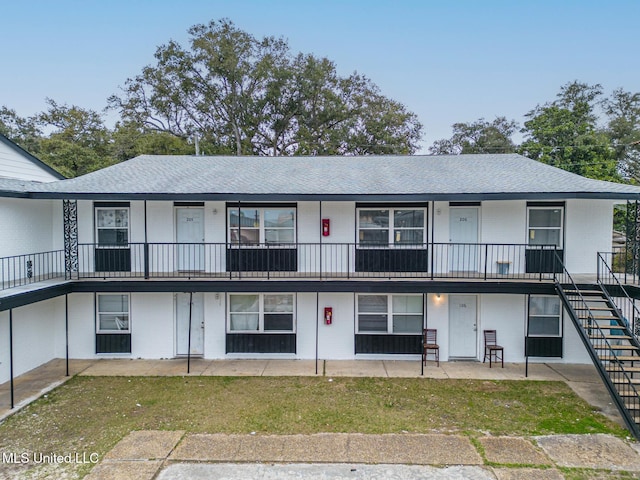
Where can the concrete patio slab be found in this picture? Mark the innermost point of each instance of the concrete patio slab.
(289, 368)
(233, 368)
(590, 451)
(586, 373)
(354, 368)
(145, 445)
(33, 384)
(130, 470)
(411, 369)
(512, 450)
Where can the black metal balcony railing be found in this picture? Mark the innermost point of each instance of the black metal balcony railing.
(621, 263)
(19, 270)
(609, 277)
(321, 261)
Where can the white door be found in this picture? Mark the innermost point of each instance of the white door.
(197, 323)
(463, 233)
(190, 239)
(463, 330)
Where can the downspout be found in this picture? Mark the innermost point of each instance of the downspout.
(318, 293)
(146, 244)
(424, 304)
(433, 221)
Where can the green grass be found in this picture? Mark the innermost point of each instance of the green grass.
(91, 414)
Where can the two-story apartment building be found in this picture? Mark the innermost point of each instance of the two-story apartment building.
(301, 257)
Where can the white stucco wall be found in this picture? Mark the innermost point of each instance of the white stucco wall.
(38, 336)
(27, 226)
(588, 230)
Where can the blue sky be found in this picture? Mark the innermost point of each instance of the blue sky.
(447, 61)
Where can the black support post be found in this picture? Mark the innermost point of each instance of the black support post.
(66, 331)
(189, 337)
(11, 355)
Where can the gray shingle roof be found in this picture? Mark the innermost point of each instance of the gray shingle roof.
(17, 187)
(446, 177)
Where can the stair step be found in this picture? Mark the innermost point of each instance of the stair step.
(616, 347)
(583, 292)
(609, 337)
(632, 381)
(608, 309)
(621, 358)
(628, 394)
(615, 368)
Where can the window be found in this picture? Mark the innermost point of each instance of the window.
(113, 313)
(399, 226)
(545, 226)
(255, 226)
(112, 226)
(395, 314)
(261, 312)
(544, 316)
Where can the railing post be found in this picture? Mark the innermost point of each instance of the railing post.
(146, 260)
(269, 262)
(486, 259)
(433, 246)
(540, 264)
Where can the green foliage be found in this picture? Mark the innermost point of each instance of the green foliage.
(480, 136)
(564, 134)
(23, 131)
(250, 96)
(623, 128)
(129, 141)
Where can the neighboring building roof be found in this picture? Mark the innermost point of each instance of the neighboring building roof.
(13, 187)
(418, 178)
(30, 158)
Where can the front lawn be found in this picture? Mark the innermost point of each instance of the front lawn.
(91, 414)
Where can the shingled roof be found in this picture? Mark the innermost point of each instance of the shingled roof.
(447, 177)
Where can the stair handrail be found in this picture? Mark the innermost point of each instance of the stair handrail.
(622, 408)
(619, 285)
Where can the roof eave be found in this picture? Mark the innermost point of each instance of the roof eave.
(274, 197)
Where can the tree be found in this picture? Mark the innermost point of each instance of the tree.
(564, 133)
(79, 141)
(623, 128)
(129, 140)
(23, 131)
(480, 136)
(242, 95)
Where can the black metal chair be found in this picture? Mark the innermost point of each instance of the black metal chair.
(430, 345)
(492, 350)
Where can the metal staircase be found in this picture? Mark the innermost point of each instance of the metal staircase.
(613, 348)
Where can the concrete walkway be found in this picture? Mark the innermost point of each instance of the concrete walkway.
(145, 455)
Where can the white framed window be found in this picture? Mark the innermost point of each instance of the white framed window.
(545, 225)
(256, 226)
(112, 314)
(390, 314)
(391, 226)
(261, 313)
(112, 226)
(544, 316)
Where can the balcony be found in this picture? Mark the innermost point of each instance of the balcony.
(310, 261)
